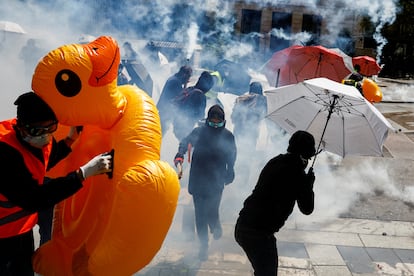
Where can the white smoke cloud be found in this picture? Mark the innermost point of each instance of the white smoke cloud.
(296, 38)
(381, 13)
(192, 35)
(59, 22)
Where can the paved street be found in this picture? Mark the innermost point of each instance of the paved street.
(374, 235)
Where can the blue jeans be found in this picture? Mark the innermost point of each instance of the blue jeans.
(260, 248)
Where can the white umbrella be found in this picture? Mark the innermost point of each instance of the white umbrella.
(11, 27)
(337, 115)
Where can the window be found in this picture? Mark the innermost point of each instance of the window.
(250, 27)
(312, 24)
(280, 21)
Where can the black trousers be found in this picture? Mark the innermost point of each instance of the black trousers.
(260, 248)
(16, 255)
(206, 209)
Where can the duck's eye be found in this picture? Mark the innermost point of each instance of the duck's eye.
(68, 83)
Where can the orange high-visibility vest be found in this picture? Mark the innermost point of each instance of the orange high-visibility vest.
(13, 219)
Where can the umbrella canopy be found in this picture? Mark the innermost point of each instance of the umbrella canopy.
(368, 65)
(299, 63)
(277, 70)
(342, 120)
(347, 59)
(11, 27)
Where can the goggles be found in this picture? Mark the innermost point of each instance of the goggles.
(215, 125)
(40, 130)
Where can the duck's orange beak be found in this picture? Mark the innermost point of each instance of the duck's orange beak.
(105, 58)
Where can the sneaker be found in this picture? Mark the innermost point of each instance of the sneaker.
(217, 233)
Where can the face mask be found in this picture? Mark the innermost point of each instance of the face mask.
(38, 141)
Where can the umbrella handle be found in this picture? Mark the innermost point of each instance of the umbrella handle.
(314, 157)
(331, 107)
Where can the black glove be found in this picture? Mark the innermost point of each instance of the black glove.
(310, 178)
(229, 176)
(178, 159)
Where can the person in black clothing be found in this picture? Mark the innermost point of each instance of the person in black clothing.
(28, 149)
(172, 88)
(190, 110)
(281, 183)
(212, 167)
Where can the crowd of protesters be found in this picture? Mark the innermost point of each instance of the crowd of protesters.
(198, 121)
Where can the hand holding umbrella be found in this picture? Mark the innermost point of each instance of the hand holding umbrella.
(337, 115)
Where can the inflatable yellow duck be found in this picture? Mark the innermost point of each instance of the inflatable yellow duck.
(113, 225)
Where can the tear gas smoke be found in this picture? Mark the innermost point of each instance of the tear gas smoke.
(57, 22)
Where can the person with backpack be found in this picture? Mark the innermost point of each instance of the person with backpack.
(212, 167)
(172, 88)
(190, 105)
(248, 111)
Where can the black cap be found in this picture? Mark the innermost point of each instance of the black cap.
(32, 109)
(302, 143)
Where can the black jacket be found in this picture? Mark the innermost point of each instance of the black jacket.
(281, 183)
(172, 88)
(213, 158)
(21, 189)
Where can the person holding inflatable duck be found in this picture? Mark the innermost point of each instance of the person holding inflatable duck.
(29, 150)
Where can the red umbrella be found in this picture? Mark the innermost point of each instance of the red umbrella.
(276, 69)
(298, 63)
(368, 65)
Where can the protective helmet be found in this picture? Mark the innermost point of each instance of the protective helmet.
(302, 143)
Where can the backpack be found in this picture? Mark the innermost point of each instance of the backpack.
(249, 107)
(182, 99)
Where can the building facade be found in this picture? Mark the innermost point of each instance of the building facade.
(278, 27)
